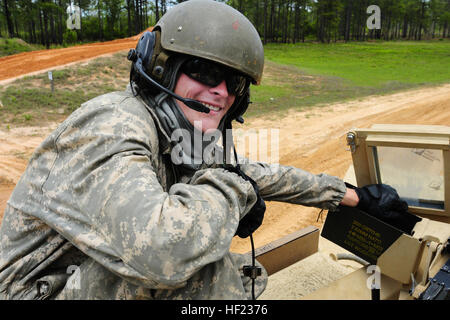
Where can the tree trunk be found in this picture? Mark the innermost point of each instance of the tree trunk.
(52, 27)
(362, 22)
(278, 22)
(355, 22)
(388, 29)
(8, 19)
(433, 29)
(141, 10)
(163, 7)
(100, 21)
(348, 17)
(256, 17)
(29, 33)
(240, 6)
(397, 32)
(285, 22)
(137, 18)
(33, 27)
(46, 36)
(405, 27)
(60, 24)
(146, 23)
(296, 22)
(265, 22)
(80, 32)
(156, 10)
(272, 17)
(16, 32)
(422, 13)
(41, 27)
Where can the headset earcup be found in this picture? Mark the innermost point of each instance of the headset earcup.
(145, 48)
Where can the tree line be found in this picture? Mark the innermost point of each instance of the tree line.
(286, 21)
(45, 21)
(334, 20)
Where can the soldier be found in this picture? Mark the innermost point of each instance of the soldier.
(119, 196)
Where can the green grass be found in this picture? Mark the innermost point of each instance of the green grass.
(30, 101)
(306, 74)
(369, 63)
(15, 45)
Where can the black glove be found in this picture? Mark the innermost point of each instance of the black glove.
(254, 218)
(383, 202)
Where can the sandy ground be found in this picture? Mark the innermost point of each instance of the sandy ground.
(313, 140)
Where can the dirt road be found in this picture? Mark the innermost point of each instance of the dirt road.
(28, 63)
(313, 140)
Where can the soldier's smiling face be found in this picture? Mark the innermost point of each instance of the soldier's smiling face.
(217, 99)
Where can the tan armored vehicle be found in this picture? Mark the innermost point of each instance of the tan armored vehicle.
(415, 160)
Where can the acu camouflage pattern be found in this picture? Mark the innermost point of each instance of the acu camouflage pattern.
(100, 194)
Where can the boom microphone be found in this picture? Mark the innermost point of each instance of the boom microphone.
(191, 103)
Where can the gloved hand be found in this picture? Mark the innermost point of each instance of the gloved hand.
(254, 218)
(383, 202)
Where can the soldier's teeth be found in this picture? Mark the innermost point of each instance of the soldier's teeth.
(211, 107)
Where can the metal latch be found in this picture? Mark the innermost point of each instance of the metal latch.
(351, 141)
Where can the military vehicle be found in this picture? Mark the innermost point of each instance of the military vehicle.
(415, 160)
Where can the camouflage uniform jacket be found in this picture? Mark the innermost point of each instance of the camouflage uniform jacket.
(99, 196)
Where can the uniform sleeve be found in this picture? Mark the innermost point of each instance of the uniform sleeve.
(289, 184)
(103, 195)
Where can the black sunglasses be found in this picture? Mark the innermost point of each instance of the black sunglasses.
(212, 74)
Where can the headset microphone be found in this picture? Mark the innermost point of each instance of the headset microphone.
(191, 103)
